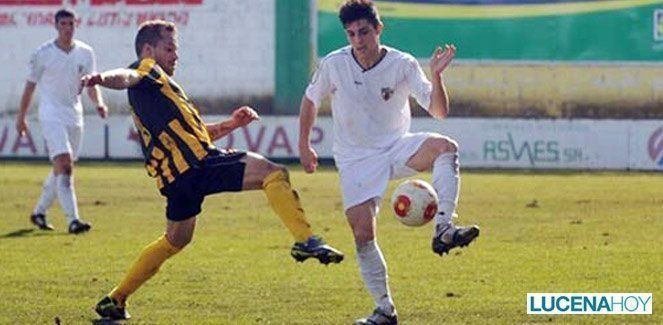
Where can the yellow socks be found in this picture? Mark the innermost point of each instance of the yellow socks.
(285, 202)
(282, 198)
(147, 265)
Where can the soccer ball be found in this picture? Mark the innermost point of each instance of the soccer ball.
(414, 203)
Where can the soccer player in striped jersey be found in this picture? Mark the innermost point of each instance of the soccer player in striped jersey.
(180, 154)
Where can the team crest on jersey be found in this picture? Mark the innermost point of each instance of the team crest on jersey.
(386, 93)
(81, 69)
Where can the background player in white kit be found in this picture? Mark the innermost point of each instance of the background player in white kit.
(57, 67)
(369, 86)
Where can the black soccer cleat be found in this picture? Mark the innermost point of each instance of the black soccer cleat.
(450, 237)
(79, 226)
(109, 308)
(315, 247)
(379, 317)
(39, 220)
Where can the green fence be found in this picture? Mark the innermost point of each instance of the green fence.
(621, 30)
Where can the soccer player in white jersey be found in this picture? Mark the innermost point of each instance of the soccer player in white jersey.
(369, 85)
(57, 67)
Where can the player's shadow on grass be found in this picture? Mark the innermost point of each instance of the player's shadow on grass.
(29, 233)
(105, 321)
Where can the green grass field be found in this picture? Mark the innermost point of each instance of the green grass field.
(588, 232)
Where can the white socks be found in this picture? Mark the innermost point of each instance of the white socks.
(374, 272)
(48, 194)
(446, 181)
(64, 184)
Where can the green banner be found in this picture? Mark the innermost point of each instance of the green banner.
(521, 30)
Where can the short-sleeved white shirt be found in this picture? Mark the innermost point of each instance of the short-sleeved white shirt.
(57, 75)
(370, 107)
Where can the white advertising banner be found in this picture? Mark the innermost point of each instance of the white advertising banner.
(484, 143)
(33, 145)
(271, 136)
(532, 144)
(646, 146)
(123, 140)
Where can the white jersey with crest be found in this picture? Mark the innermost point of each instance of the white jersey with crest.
(370, 107)
(57, 74)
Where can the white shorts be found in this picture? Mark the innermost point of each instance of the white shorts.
(61, 139)
(365, 179)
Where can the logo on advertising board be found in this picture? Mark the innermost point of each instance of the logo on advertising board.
(658, 25)
(655, 146)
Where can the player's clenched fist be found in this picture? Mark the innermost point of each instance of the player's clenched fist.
(308, 158)
(244, 115)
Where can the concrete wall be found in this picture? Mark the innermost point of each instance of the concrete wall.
(226, 55)
(551, 89)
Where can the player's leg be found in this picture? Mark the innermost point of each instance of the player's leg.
(178, 235)
(184, 204)
(46, 199)
(372, 265)
(261, 173)
(441, 154)
(63, 148)
(51, 133)
(64, 185)
(363, 183)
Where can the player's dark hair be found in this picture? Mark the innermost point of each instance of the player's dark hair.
(149, 32)
(353, 10)
(64, 13)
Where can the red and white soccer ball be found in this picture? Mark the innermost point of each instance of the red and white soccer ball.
(414, 202)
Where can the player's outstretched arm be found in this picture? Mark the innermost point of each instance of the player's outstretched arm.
(439, 103)
(114, 79)
(307, 155)
(240, 117)
(21, 125)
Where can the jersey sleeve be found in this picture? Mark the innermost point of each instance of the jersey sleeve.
(419, 85)
(35, 67)
(149, 72)
(91, 64)
(320, 85)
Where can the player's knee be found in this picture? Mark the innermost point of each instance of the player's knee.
(363, 233)
(277, 168)
(63, 165)
(445, 145)
(67, 169)
(64, 170)
(282, 169)
(179, 240)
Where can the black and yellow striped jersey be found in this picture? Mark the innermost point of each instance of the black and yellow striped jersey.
(173, 137)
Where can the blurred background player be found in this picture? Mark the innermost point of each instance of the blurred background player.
(179, 152)
(369, 86)
(57, 67)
